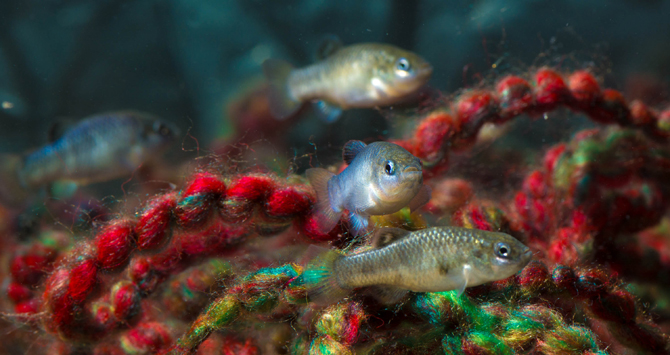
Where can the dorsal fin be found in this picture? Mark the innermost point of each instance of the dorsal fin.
(328, 46)
(386, 236)
(351, 149)
(59, 127)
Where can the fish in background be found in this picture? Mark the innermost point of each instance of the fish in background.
(364, 75)
(98, 148)
(382, 178)
(428, 260)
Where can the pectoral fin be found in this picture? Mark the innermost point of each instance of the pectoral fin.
(421, 198)
(467, 274)
(359, 224)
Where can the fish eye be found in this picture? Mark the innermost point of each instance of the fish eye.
(403, 64)
(161, 128)
(389, 168)
(503, 250)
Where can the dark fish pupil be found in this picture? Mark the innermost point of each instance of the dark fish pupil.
(502, 250)
(389, 168)
(403, 64)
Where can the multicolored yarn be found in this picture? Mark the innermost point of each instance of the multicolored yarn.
(204, 207)
(456, 127)
(259, 292)
(192, 289)
(592, 195)
(168, 279)
(503, 317)
(29, 266)
(228, 345)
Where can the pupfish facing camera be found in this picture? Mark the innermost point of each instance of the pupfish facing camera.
(382, 178)
(428, 260)
(363, 75)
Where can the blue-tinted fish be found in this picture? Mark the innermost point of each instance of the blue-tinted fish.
(363, 75)
(382, 178)
(99, 148)
(429, 260)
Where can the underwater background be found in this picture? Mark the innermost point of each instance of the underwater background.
(545, 120)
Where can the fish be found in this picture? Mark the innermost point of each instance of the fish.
(364, 75)
(98, 148)
(429, 260)
(381, 178)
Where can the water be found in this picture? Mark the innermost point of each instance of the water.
(599, 204)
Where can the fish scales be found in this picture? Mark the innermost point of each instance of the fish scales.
(81, 152)
(430, 260)
(366, 75)
(410, 263)
(97, 149)
(342, 78)
(381, 178)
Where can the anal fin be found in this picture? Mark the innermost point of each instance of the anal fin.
(327, 112)
(62, 189)
(387, 294)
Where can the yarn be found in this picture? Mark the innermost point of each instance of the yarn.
(184, 275)
(192, 209)
(456, 127)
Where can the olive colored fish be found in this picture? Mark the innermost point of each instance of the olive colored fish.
(363, 75)
(429, 260)
(98, 148)
(382, 178)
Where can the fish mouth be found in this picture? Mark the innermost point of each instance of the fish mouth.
(410, 169)
(528, 254)
(425, 70)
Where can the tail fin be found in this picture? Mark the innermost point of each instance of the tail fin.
(326, 216)
(282, 105)
(12, 191)
(319, 277)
